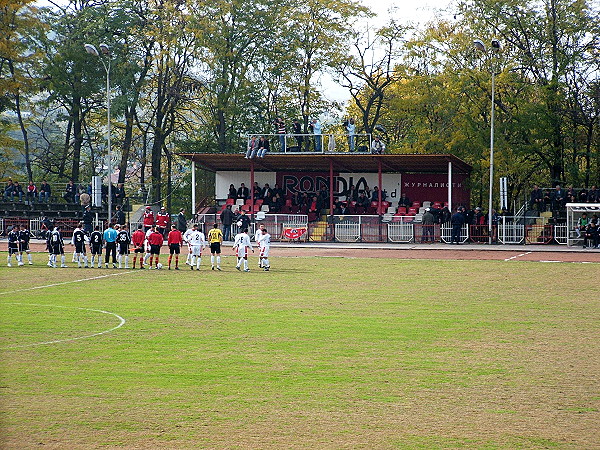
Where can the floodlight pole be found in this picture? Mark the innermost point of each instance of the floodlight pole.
(105, 51)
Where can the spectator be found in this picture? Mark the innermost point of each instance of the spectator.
(558, 198)
(547, 200)
(363, 201)
(377, 146)
(341, 209)
(445, 215)
(232, 192)
(45, 192)
(495, 222)
(263, 147)
(243, 192)
(592, 235)
(583, 195)
(88, 220)
(31, 193)
(227, 218)
(351, 194)
(428, 226)
(324, 194)
(9, 191)
(256, 191)
(314, 206)
(181, 221)
(148, 219)
(119, 216)
(375, 195)
(18, 191)
(119, 194)
(593, 195)
(350, 130)
(536, 199)
(457, 220)
(69, 194)
(297, 130)
(162, 221)
(404, 201)
(266, 194)
(317, 132)
(281, 131)
(571, 196)
(252, 148)
(582, 224)
(479, 222)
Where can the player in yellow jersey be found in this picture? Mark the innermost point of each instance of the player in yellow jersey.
(215, 239)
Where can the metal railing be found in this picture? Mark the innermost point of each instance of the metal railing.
(311, 143)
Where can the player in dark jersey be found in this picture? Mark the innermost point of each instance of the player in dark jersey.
(123, 241)
(78, 240)
(24, 237)
(57, 247)
(13, 246)
(96, 246)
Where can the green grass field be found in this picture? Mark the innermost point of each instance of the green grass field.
(317, 353)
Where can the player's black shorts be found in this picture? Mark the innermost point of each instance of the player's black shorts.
(139, 249)
(79, 247)
(155, 249)
(57, 249)
(13, 249)
(215, 247)
(24, 246)
(123, 249)
(96, 249)
(175, 249)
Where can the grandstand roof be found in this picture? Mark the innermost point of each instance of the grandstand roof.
(342, 162)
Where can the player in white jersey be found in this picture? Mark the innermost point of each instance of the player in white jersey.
(241, 244)
(264, 243)
(147, 245)
(257, 236)
(186, 239)
(197, 243)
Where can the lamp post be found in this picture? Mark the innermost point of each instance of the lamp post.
(105, 50)
(480, 46)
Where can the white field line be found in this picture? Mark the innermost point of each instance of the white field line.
(56, 341)
(517, 256)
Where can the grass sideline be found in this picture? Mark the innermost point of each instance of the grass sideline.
(319, 352)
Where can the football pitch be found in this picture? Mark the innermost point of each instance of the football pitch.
(316, 353)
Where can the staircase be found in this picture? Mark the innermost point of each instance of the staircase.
(536, 233)
(318, 230)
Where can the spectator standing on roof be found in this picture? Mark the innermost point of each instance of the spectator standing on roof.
(377, 146)
(281, 131)
(148, 219)
(297, 129)
(317, 132)
(350, 130)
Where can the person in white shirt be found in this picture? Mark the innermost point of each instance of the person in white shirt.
(197, 243)
(147, 245)
(257, 236)
(264, 244)
(377, 146)
(241, 244)
(186, 239)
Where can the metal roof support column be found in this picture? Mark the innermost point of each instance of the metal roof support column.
(331, 188)
(450, 185)
(193, 210)
(379, 187)
(252, 189)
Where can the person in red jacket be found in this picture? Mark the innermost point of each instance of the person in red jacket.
(175, 241)
(148, 218)
(156, 241)
(162, 221)
(138, 239)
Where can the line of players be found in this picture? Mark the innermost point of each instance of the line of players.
(18, 243)
(116, 241)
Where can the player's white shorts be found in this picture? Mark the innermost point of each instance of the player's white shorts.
(264, 252)
(241, 252)
(196, 250)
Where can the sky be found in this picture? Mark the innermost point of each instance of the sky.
(417, 12)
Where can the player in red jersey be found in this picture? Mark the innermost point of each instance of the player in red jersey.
(148, 218)
(156, 241)
(162, 221)
(175, 241)
(138, 239)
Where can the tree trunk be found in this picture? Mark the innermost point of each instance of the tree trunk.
(126, 146)
(77, 122)
(22, 125)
